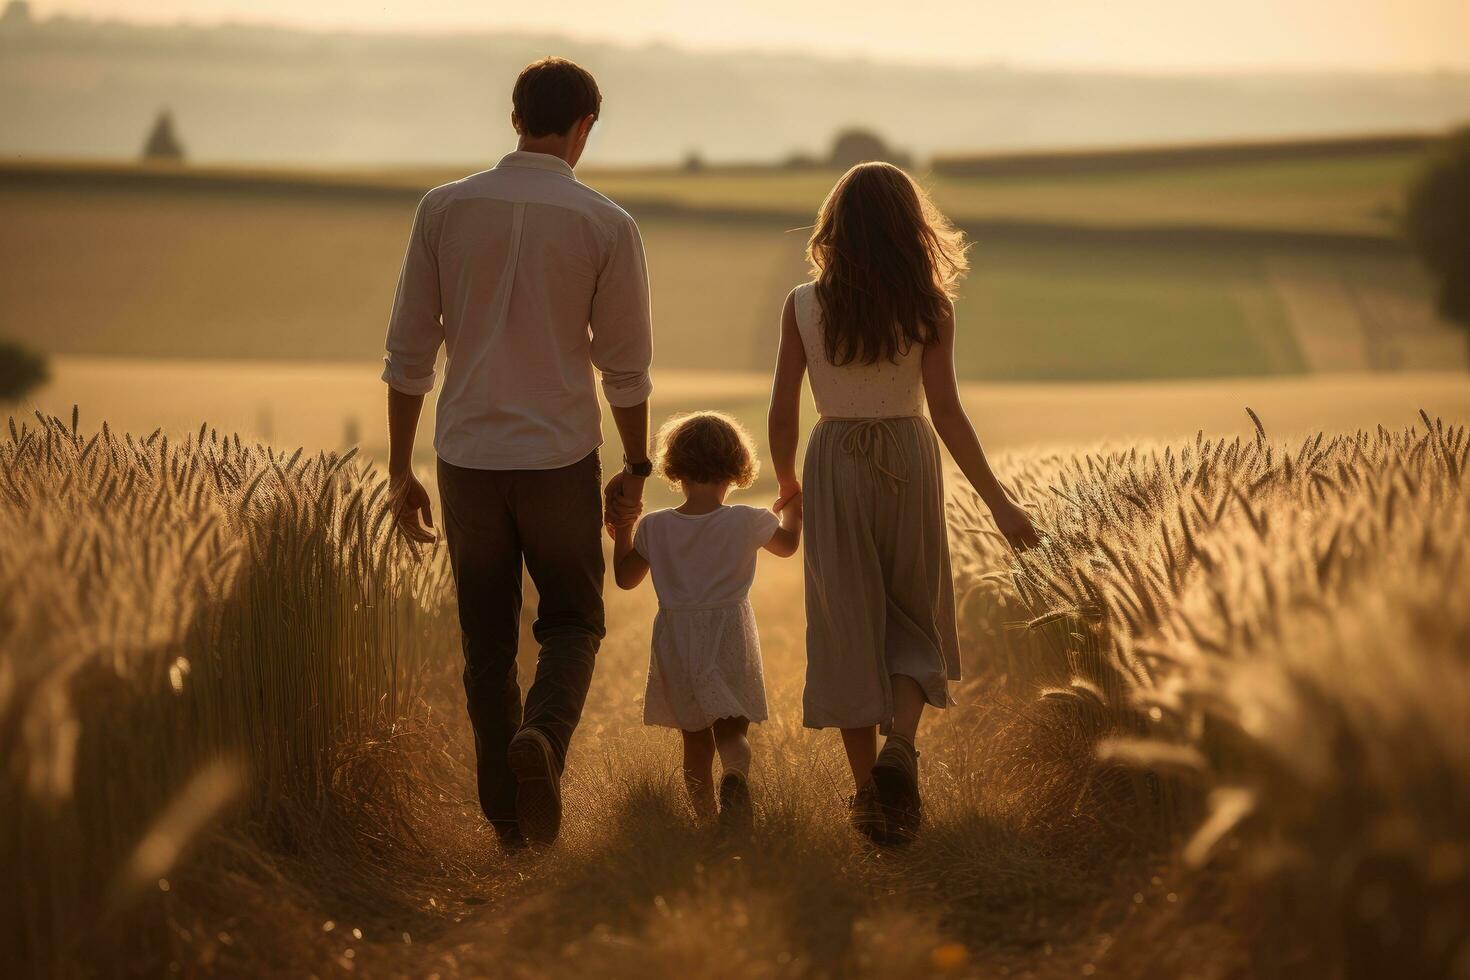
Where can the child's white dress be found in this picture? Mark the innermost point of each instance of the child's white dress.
(706, 662)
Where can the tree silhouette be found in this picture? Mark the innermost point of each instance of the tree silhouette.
(163, 144)
(21, 371)
(854, 146)
(17, 15)
(1437, 222)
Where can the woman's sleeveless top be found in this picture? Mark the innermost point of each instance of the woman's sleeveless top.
(857, 390)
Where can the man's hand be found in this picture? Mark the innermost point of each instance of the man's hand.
(622, 501)
(409, 502)
(1015, 524)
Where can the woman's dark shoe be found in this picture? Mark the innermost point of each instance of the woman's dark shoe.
(538, 786)
(896, 785)
(867, 814)
(509, 835)
(736, 815)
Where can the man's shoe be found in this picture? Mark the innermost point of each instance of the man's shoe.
(896, 784)
(735, 811)
(538, 786)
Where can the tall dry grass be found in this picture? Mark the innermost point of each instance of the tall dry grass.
(1215, 726)
(1280, 635)
(191, 629)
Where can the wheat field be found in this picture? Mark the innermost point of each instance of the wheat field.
(1215, 726)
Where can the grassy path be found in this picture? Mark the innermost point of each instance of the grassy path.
(1014, 874)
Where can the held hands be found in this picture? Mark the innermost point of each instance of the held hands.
(622, 502)
(409, 503)
(788, 508)
(789, 492)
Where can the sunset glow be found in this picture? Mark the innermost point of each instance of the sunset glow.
(1148, 35)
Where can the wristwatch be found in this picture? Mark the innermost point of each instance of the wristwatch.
(641, 470)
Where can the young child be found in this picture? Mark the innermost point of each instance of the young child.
(704, 677)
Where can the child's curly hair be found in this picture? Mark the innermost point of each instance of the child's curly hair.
(706, 447)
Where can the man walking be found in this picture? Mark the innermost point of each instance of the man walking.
(531, 281)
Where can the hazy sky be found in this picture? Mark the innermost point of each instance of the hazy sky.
(1126, 34)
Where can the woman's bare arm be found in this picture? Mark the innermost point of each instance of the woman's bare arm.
(784, 420)
(952, 423)
(787, 539)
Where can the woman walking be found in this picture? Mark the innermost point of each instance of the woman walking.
(875, 330)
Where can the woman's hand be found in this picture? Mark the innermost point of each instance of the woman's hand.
(787, 539)
(1015, 524)
(789, 508)
(789, 489)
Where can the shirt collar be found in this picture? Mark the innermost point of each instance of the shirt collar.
(536, 161)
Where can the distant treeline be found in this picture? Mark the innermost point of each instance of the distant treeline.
(405, 187)
(267, 181)
(1125, 159)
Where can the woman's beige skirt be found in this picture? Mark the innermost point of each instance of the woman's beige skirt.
(879, 593)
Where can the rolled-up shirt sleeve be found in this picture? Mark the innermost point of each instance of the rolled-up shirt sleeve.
(621, 321)
(415, 330)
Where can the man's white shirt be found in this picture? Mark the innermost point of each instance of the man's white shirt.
(531, 281)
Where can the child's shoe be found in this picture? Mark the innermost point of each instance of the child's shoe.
(736, 814)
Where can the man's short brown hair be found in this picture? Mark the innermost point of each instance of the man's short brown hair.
(552, 94)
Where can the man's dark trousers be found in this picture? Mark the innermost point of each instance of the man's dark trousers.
(551, 520)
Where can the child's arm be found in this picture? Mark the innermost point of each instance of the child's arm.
(953, 425)
(629, 567)
(784, 419)
(783, 543)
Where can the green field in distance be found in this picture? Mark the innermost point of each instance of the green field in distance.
(1351, 194)
(218, 263)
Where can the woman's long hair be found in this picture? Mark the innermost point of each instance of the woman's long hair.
(886, 263)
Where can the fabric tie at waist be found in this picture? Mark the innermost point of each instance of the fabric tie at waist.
(875, 440)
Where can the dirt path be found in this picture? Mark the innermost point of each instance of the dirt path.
(1345, 318)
